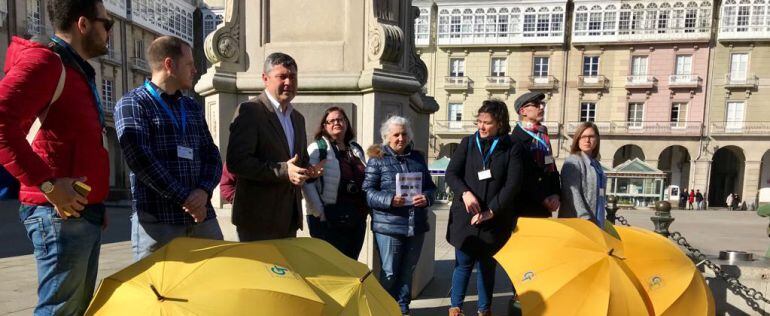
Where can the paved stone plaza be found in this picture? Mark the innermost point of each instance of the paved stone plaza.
(709, 230)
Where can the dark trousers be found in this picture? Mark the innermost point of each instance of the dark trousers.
(348, 240)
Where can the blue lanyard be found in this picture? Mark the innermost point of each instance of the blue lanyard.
(91, 83)
(166, 108)
(491, 149)
(540, 140)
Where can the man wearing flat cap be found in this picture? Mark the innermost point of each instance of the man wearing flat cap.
(539, 195)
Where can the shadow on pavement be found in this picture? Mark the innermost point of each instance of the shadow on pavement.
(16, 243)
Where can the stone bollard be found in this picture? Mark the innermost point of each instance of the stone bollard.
(612, 208)
(662, 218)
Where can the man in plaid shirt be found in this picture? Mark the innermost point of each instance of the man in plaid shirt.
(174, 162)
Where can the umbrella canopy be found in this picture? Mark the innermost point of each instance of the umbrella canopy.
(670, 279)
(345, 285)
(570, 267)
(300, 276)
(207, 277)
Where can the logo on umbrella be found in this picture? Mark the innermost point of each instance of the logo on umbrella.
(656, 282)
(528, 276)
(279, 270)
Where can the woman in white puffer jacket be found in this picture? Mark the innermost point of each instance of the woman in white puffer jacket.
(334, 203)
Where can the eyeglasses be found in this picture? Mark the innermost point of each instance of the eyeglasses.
(107, 23)
(540, 105)
(588, 137)
(337, 120)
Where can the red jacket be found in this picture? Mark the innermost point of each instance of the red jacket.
(69, 144)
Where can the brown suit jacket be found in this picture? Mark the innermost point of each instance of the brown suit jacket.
(266, 205)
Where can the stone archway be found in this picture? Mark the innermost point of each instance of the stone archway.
(675, 162)
(625, 153)
(727, 167)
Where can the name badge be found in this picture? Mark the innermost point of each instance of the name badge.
(548, 160)
(485, 174)
(184, 152)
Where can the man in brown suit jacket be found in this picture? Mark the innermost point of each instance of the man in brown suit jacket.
(267, 155)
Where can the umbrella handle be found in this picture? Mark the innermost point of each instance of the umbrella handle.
(365, 276)
(157, 294)
(163, 298)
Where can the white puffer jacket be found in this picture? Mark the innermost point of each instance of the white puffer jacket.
(324, 190)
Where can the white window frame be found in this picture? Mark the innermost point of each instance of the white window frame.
(498, 67)
(456, 67)
(108, 94)
(537, 68)
(739, 69)
(639, 68)
(635, 115)
(735, 123)
(680, 109)
(592, 62)
(588, 111)
(455, 115)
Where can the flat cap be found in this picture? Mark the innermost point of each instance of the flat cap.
(527, 98)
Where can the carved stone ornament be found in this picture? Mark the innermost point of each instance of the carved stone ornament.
(416, 65)
(223, 45)
(386, 42)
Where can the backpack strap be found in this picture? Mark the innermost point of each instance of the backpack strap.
(323, 149)
(43, 114)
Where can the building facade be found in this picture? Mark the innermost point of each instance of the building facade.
(676, 84)
(477, 50)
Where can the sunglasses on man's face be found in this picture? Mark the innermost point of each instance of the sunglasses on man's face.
(107, 23)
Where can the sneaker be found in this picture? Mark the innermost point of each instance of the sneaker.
(486, 313)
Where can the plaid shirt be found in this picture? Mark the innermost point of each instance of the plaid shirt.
(160, 180)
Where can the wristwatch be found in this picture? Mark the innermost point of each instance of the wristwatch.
(47, 187)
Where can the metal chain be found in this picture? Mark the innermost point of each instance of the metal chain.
(622, 220)
(752, 296)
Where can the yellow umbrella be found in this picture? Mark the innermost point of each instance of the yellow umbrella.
(570, 267)
(346, 285)
(670, 279)
(206, 277)
(298, 276)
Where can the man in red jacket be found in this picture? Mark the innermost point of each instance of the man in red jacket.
(64, 226)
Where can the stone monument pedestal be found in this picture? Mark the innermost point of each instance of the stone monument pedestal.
(356, 54)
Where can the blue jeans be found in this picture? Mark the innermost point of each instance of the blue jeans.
(67, 255)
(348, 240)
(485, 279)
(149, 235)
(398, 256)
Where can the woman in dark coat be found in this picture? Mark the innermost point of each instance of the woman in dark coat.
(399, 223)
(485, 176)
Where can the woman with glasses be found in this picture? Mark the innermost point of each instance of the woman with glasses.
(582, 178)
(335, 204)
(485, 176)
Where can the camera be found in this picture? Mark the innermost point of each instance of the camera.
(351, 187)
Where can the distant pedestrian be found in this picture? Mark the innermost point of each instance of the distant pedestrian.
(736, 202)
(683, 199)
(691, 200)
(698, 200)
(729, 201)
